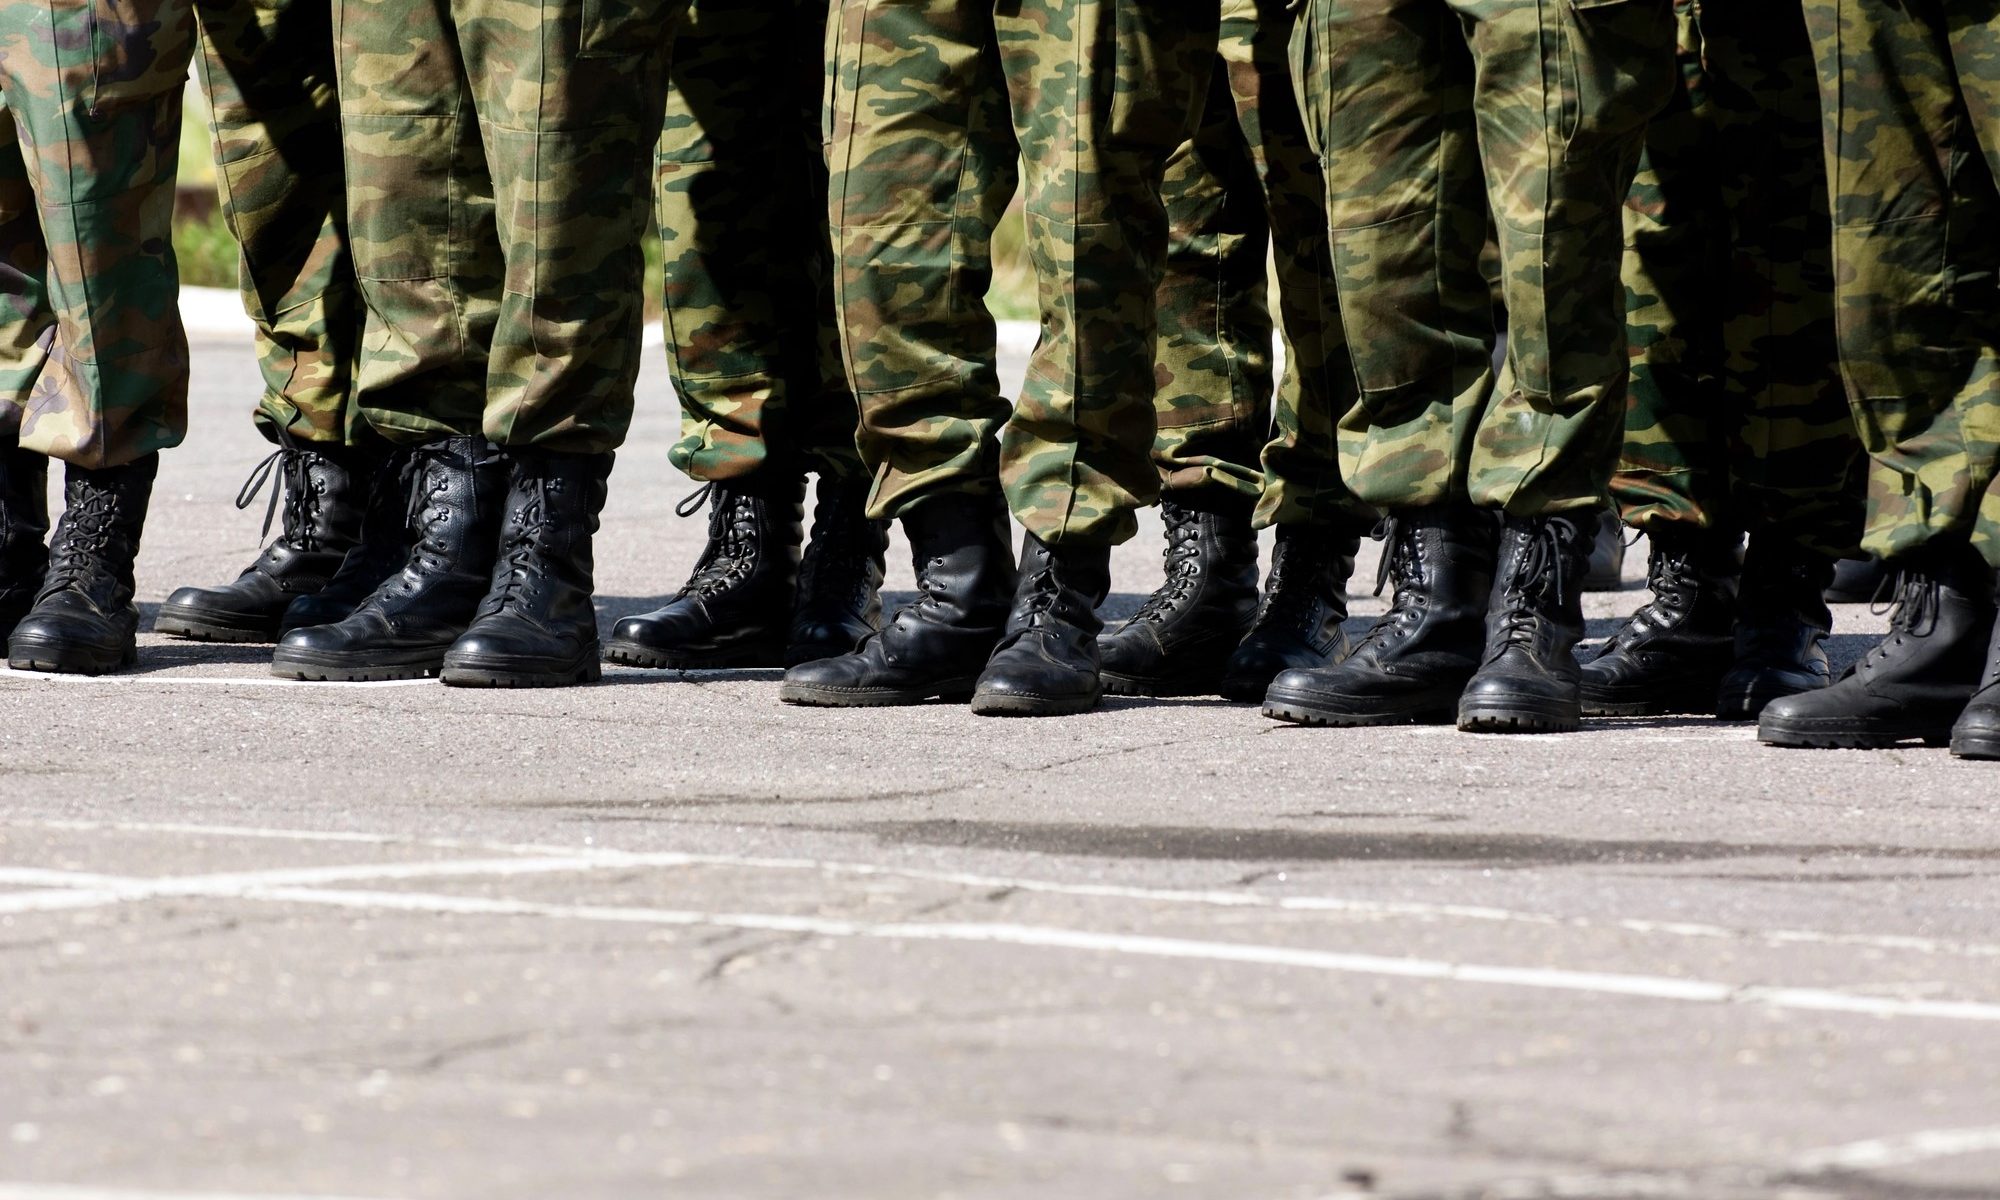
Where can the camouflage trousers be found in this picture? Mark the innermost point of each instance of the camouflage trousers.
(1244, 191)
(93, 363)
(933, 103)
(1737, 420)
(93, 360)
(751, 335)
(499, 160)
(1912, 95)
(1427, 115)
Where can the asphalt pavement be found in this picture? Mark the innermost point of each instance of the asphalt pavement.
(665, 936)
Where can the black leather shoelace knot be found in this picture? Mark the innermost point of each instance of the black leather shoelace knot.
(77, 555)
(1536, 576)
(732, 539)
(1183, 562)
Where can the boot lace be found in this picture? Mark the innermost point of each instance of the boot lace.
(1183, 564)
(288, 470)
(732, 539)
(1537, 575)
(515, 576)
(834, 565)
(77, 555)
(1912, 613)
(1674, 582)
(1401, 565)
(1291, 604)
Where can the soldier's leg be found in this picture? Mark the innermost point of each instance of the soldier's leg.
(1387, 88)
(267, 68)
(1212, 406)
(1673, 472)
(95, 90)
(26, 325)
(1564, 96)
(754, 352)
(923, 163)
(1103, 92)
(1910, 116)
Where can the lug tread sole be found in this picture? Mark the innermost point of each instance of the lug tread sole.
(812, 695)
(1858, 736)
(1982, 746)
(1157, 687)
(209, 627)
(1014, 704)
(50, 658)
(1299, 713)
(652, 658)
(474, 676)
(306, 669)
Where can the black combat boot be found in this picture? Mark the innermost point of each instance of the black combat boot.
(83, 621)
(840, 578)
(1180, 639)
(24, 531)
(1917, 681)
(383, 548)
(403, 629)
(322, 490)
(1606, 570)
(1977, 732)
(1857, 581)
(934, 648)
(1530, 682)
(736, 609)
(1413, 663)
(1672, 654)
(1047, 664)
(1782, 624)
(1298, 625)
(537, 626)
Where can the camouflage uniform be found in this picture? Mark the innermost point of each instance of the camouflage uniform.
(1737, 420)
(1250, 171)
(498, 157)
(1913, 147)
(1426, 114)
(933, 102)
(95, 362)
(750, 326)
(91, 347)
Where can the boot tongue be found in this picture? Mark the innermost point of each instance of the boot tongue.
(1183, 566)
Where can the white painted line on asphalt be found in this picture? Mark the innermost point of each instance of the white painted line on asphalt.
(1879, 1154)
(265, 680)
(68, 1191)
(1209, 898)
(1651, 987)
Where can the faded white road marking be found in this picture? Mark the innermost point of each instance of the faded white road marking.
(1210, 898)
(1879, 1154)
(1694, 991)
(69, 1191)
(265, 680)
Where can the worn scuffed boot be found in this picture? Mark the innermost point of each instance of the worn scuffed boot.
(83, 621)
(840, 578)
(933, 649)
(1606, 569)
(1782, 624)
(404, 627)
(1180, 640)
(324, 495)
(380, 552)
(1670, 656)
(1298, 625)
(735, 610)
(1916, 682)
(537, 626)
(1414, 662)
(1976, 733)
(1047, 665)
(24, 531)
(1530, 681)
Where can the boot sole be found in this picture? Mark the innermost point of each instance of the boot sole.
(1301, 711)
(634, 654)
(1748, 706)
(199, 626)
(327, 669)
(813, 695)
(1671, 704)
(497, 673)
(1157, 686)
(1014, 704)
(1983, 746)
(1519, 716)
(1846, 735)
(55, 658)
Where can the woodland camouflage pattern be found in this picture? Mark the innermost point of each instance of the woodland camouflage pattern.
(1249, 171)
(1395, 121)
(1737, 420)
(499, 160)
(1912, 106)
(933, 101)
(267, 68)
(751, 336)
(93, 360)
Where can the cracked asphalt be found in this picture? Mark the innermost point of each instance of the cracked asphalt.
(666, 936)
